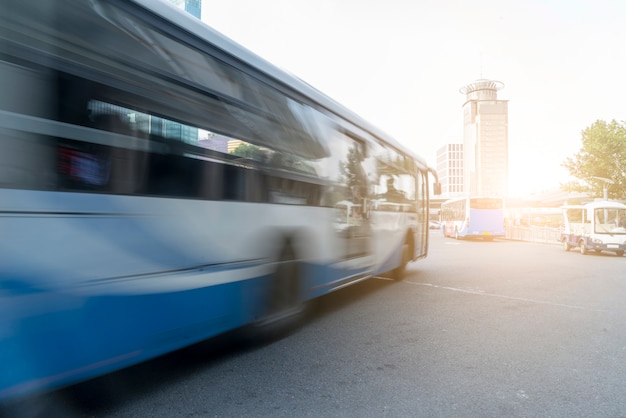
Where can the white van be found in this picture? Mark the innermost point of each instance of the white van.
(597, 226)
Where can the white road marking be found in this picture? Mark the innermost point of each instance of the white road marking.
(495, 295)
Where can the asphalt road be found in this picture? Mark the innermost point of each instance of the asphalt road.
(478, 329)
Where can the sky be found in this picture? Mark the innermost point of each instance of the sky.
(400, 63)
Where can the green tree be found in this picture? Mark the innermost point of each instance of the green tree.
(352, 173)
(249, 151)
(603, 154)
(273, 158)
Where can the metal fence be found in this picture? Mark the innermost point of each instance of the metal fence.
(544, 234)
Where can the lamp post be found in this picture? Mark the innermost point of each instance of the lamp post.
(605, 185)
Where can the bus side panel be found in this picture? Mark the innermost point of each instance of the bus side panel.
(55, 338)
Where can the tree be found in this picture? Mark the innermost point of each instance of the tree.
(603, 155)
(249, 151)
(352, 173)
(273, 158)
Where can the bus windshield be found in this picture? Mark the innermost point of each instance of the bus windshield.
(610, 221)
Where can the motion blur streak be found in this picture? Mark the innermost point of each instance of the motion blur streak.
(160, 185)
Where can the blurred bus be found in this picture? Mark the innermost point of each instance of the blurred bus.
(477, 217)
(160, 185)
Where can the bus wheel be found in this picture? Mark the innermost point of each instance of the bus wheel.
(283, 308)
(399, 272)
(619, 253)
(583, 247)
(566, 245)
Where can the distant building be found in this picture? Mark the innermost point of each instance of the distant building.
(233, 144)
(174, 130)
(450, 162)
(215, 142)
(193, 7)
(485, 139)
(145, 123)
(167, 128)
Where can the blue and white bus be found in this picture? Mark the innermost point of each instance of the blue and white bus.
(160, 185)
(478, 217)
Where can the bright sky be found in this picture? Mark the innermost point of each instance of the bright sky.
(400, 64)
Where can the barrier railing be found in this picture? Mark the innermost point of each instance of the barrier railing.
(545, 234)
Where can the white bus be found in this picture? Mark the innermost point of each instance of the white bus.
(160, 184)
(597, 226)
(476, 216)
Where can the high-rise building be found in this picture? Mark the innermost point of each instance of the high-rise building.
(193, 7)
(485, 139)
(169, 128)
(450, 172)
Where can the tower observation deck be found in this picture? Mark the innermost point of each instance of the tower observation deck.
(482, 90)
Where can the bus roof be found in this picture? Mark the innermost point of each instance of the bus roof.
(207, 34)
(456, 199)
(609, 204)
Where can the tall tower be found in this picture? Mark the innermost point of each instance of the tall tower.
(485, 139)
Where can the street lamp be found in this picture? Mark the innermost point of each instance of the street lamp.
(605, 185)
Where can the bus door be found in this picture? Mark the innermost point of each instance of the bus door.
(423, 215)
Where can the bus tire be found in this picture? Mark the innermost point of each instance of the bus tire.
(583, 248)
(619, 253)
(400, 272)
(283, 308)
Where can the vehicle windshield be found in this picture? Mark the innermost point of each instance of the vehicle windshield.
(610, 221)
(485, 203)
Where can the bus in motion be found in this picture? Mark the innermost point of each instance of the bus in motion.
(160, 185)
(473, 217)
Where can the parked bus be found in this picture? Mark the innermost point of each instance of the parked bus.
(477, 217)
(597, 226)
(160, 185)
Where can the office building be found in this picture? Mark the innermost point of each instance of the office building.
(450, 162)
(193, 7)
(485, 139)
